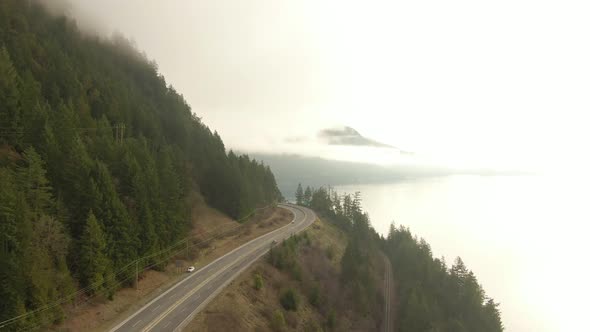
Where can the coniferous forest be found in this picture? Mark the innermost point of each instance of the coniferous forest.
(430, 296)
(98, 158)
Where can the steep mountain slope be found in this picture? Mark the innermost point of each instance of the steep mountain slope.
(98, 156)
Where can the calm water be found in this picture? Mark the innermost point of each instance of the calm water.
(526, 238)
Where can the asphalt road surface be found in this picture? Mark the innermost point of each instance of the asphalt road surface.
(175, 308)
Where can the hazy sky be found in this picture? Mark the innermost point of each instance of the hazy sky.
(494, 83)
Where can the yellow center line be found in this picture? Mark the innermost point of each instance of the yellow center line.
(179, 302)
(301, 226)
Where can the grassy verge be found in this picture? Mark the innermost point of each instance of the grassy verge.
(213, 235)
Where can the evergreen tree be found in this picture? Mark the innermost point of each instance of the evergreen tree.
(347, 206)
(415, 314)
(10, 130)
(336, 203)
(94, 263)
(492, 320)
(307, 196)
(299, 195)
(356, 203)
(12, 288)
(34, 183)
(121, 237)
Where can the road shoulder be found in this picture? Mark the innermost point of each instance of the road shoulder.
(100, 315)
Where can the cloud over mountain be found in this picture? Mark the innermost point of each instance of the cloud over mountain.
(349, 136)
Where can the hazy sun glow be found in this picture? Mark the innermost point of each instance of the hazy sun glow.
(499, 84)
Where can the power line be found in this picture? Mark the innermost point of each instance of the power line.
(123, 269)
(90, 297)
(119, 130)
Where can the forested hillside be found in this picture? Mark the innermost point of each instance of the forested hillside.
(431, 296)
(328, 278)
(98, 156)
(360, 275)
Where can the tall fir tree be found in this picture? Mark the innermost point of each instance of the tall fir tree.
(10, 130)
(95, 266)
(307, 196)
(34, 182)
(299, 195)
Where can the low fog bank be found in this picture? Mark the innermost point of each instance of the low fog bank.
(86, 21)
(290, 170)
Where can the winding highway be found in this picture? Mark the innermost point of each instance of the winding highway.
(175, 308)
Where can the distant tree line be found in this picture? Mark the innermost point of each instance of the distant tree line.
(430, 295)
(98, 156)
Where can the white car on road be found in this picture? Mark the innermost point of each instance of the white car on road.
(190, 269)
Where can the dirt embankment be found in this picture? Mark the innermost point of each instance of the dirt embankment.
(323, 303)
(213, 235)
